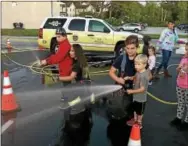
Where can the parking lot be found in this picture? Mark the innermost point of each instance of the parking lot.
(39, 122)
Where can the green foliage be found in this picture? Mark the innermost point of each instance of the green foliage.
(113, 21)
(153, 13)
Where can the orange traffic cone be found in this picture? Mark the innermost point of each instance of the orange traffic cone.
(134, 139)
(9, 47)
(8, 98)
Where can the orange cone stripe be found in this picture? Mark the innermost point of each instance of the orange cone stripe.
(8, 86)
(135, 134)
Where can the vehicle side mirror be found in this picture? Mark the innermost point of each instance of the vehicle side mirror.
(106, 30)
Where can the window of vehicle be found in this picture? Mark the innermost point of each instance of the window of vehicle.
(110, 26)
(134, 24)
(77, 24)
(97, 26)
(54, 23)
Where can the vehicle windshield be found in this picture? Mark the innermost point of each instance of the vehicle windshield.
(109, 25)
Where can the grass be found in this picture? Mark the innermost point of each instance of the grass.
(19, 32)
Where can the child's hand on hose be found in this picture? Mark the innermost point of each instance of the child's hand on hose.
(43, 62)
(126, 78)
(129, 91)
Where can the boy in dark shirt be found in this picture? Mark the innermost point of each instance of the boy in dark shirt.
(121, 105)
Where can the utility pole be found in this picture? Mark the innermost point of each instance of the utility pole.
(51, 8)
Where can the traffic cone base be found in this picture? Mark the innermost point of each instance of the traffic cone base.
(9, 104)
(134, 143)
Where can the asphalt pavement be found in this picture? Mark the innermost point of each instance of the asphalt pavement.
(40, 121)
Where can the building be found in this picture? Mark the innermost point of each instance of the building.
(75, 8)
(31, 14)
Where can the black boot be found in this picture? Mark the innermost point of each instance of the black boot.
(175, 122)
(183, 126)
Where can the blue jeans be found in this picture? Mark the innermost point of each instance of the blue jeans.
(165, 59)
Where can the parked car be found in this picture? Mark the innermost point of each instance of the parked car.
(186, 29)
(182, 26)
(135, 27)
(94, 35)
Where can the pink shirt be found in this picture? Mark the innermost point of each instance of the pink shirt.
(182, 80)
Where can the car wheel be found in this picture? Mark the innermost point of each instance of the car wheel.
(54, 46)
(119, 49)
(121, 29)
(136, 30)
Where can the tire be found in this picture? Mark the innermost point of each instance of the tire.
(136, 30)
(53, 46)
(119, 50)
(121, 29)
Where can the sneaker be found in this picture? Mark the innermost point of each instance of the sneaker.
(131, 122)
(150, 83)
(175, 122)
(183, 126)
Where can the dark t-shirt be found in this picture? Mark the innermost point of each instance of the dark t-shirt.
(129, 67)
(76, 68)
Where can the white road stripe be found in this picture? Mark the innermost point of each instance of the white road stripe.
(6, 126)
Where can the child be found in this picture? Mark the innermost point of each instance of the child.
(124, 64)
(140, 89)
(80, 66)
(182, 93)
(61, 57)
(81, 112)
(146, 41)
(151, 61)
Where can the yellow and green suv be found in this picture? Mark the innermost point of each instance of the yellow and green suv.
(94, 35)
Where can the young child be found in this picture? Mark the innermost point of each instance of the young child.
(61, 57)
(151, 61)
(140, 89)
(182, 93)
(146, 40)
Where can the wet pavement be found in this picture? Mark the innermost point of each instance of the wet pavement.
(39, 122)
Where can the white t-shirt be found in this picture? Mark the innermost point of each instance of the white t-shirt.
(151, 62)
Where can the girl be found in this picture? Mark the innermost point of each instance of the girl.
(182, 93)
(151, 61)
(167, 42)
(146, 40)
(80, 114)
(80, 66)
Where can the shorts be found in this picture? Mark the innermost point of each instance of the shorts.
(139, 107)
